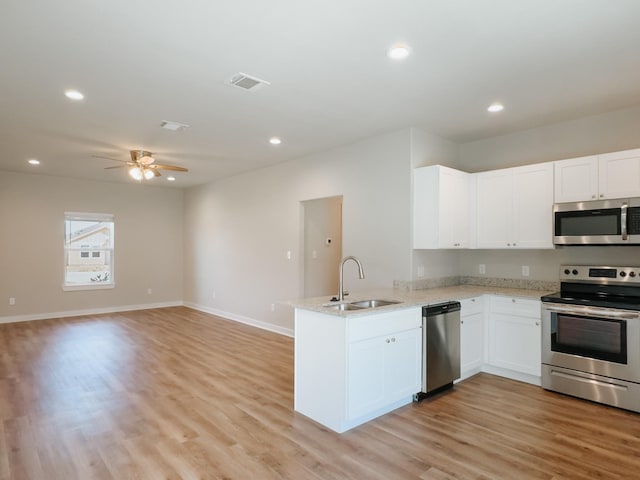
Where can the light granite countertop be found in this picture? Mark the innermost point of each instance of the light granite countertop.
(413, 298)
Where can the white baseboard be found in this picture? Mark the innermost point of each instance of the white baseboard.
(89, 311)
(241, 319)
(504, 372)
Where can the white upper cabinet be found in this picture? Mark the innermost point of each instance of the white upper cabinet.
(494, 203)
(598, 177)
(619, 174)
(576, 180)
(514, 207)
(440, 208)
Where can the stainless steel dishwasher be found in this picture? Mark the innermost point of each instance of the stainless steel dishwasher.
(440, 347)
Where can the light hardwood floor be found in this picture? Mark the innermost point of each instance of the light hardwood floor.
(178, 394)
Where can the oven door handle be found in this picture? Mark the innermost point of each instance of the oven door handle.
(591, 311)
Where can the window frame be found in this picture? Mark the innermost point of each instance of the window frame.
(91, 217)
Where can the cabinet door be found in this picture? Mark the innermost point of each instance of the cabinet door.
(494, 199)
(515, 343)
(440, 208)
(454, 198)
(576, 179)
(471, 342)
(533, 206)
(365, 391)
(403, 364)
(619, 174)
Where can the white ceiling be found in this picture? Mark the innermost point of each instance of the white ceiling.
(140, 62)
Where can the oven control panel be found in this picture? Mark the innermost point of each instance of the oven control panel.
(600, 274)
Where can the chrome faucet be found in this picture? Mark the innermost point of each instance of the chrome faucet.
(360, 273)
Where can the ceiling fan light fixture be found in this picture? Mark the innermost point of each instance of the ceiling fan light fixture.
(135, 173)
(148, 174)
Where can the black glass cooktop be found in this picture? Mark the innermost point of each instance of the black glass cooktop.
(623, 302)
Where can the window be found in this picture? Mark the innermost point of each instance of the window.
(88, 251)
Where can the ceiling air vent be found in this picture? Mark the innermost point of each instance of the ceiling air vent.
(247, 82)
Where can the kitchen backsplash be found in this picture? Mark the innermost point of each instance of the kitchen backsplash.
(426, 283)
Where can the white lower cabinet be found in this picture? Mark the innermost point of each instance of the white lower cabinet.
(349, 370)
(514, 334)
(383, 370)
(471, 336)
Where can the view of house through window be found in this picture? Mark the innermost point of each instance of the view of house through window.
(88, 248)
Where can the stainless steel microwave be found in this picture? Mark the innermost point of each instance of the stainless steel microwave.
(599, 222)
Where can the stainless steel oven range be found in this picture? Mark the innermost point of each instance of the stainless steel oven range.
(591, 335)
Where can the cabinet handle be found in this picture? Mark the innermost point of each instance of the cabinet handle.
(473, 299)
(462, 322)
(393, 339)
(538, 324)
(513, 300)
(593, 196)
(514, 244)
(602, 195)
(508, 244)
(388, 341)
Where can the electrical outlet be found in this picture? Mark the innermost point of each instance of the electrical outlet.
(420, 271)
(525, 270)
(213, 295)
(273, 307)
(288, 254)
(482, 269)
(314, 254)
(12, 301)
(149, 291)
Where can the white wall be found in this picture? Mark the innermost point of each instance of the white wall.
(610, 132)
(148, 244)
(238, 230)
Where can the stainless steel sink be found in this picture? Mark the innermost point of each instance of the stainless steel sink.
(373, 303)
(344, 306)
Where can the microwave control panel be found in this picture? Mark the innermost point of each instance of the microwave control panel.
(633, 221)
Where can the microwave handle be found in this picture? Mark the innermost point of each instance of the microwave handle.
(623, 220)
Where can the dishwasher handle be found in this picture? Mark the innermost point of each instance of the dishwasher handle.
(440, 309)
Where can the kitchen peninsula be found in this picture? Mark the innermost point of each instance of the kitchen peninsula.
(353, 365)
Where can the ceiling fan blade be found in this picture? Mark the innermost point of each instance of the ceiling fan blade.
(109, 158)
(156, 173)
(169, 167)
(117, 166)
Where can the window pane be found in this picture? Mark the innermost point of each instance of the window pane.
(89, 251)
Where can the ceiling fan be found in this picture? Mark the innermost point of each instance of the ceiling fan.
(142, 165)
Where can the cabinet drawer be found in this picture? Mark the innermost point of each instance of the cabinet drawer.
(470, 306)
(524, 307)
(375, 325)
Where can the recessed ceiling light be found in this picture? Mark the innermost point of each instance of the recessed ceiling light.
(171, 179)
(74, 94)
(275, 141)
(495, 107)
(33, 161)
(398, 52)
